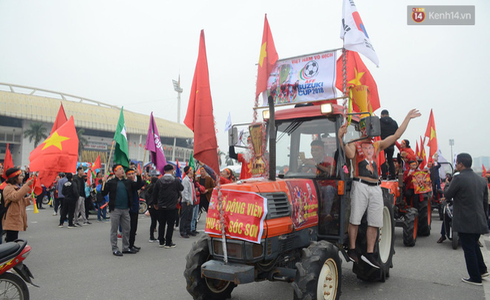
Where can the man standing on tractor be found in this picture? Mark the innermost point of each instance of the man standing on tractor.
(366, 192)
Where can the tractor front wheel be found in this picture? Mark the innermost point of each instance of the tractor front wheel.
(319, 273)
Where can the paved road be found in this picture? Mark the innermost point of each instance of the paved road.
(78, 264)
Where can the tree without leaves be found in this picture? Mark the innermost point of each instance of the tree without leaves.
(81, 142)
(36, 132)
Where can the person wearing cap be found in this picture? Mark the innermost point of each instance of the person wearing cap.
(165, 194)
(388, 127)
(366, 194)
(188, 198)
(15, 199)
(134, 209)
(120, 192)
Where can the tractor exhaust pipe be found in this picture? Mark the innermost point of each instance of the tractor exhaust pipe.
(272, 140)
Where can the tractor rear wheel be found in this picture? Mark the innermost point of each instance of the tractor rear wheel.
(410, 227)
(202, 288)
(424, 222)
(319, 273)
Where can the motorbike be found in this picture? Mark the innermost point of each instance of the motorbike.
(448, 223)
(14, 285)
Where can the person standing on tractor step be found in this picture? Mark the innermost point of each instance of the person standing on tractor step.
(15, 218)
(120, 200)
(469, 192)
(366, 192)
(388, 127)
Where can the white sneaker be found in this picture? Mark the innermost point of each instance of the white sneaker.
(55, 214)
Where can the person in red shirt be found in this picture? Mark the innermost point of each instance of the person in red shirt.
(406, 152)
(410, 196)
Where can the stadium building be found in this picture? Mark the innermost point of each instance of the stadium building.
(21, 106)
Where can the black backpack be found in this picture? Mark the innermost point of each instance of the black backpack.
(3, 208)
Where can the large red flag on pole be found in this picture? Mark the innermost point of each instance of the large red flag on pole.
(60, 119)
(431, 134)
(7, 162)
(267, 59)
(199, 117)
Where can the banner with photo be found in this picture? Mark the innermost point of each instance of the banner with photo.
(300, 79)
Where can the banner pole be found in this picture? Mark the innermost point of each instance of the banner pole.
(107, 162)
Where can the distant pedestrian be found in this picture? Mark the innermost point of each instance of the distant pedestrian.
(165, 197)
(120, 200)
(80, 205)
(187, 204)
(70, 192)
(470, 194)
(58, 202)
(135, 206)
(15, 218)
(152, 203)
(388, 127)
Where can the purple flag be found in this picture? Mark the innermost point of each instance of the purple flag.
(154, 145)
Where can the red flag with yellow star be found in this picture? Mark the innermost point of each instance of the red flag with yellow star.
(58, 153)
(60, 119)
(431, 134)
(358, 74)
(267, 59)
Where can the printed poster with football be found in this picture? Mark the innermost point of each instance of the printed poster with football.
(244, 214)
(300, 79)
(421, 182)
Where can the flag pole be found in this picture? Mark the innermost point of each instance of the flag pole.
(36, 211)
(107, 162)
(144, 157)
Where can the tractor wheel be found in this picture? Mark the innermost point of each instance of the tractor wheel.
(384, 247)
(424, 222)
(410, 227)
(319, 273)
(202, 288)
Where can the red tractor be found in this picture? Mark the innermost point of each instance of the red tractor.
(292, 228)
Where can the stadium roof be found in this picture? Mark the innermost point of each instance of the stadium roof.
(87, 113)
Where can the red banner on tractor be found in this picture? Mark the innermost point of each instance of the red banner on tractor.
(244, 214)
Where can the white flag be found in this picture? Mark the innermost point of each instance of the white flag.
(228, 122)
(354, 32)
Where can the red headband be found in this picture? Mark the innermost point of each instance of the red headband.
(129, 172)
(16, 173)
(117, 168)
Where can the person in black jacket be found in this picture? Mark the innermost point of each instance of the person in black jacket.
(120, 192)
(70, 192)
(469, 192)
(134, 209)
(152, 205)
(166, 197)
(388, 127)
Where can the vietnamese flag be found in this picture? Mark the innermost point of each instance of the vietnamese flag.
(199, 117)
(431, 134)
(93, 170)
(358, 74)
(267, 58)
(7, 162)
(58, 153)
(60, 119)
(484, 170)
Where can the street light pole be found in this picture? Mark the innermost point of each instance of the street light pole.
(179, 91)
(451, 143)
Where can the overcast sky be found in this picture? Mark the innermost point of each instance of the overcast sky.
(126, 53)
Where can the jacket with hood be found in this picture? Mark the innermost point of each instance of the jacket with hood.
(166, 192)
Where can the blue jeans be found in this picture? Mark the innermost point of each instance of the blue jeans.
(102, 212)
(472, 255)
(195, 214)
